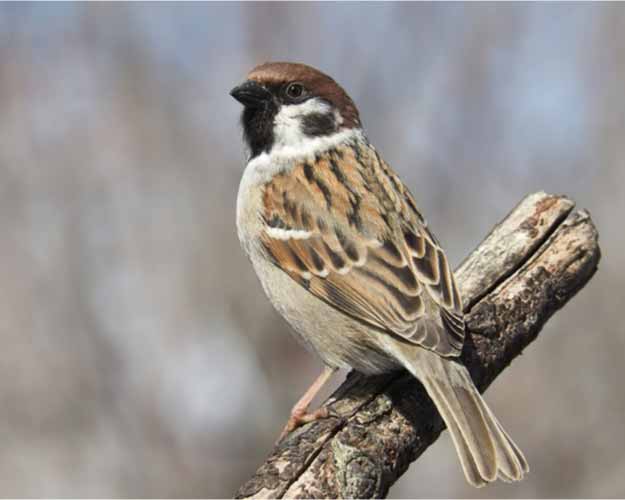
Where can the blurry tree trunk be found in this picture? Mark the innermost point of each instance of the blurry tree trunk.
(528, 267)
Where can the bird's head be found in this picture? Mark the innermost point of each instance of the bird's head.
(287, 103)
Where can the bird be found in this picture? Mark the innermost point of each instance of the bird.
(345, 256)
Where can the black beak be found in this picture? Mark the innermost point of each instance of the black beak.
(251, 94)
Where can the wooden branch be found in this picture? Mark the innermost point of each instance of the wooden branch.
(528, 267)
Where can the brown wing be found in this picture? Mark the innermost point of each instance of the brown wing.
(347, 229)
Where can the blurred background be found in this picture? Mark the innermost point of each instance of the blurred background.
(139, 355)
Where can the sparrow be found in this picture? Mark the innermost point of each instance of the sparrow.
(345, 256)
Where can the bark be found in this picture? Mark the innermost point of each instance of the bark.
(527, 268)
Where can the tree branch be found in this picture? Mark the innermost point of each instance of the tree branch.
(528, 267)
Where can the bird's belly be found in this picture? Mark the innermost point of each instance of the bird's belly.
(338, 339)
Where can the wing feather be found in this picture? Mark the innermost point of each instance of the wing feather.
(349, 231)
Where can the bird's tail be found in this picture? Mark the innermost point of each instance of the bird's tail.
(485, 450)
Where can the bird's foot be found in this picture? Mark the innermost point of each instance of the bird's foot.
(300, 417)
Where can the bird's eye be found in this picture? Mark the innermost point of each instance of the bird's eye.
(295, 91)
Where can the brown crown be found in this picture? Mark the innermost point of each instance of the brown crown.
(318, 83)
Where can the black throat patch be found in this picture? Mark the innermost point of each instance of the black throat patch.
(258, 128)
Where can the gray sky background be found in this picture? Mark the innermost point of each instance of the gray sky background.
(139, 355)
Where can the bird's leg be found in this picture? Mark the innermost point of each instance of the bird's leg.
(299, 413)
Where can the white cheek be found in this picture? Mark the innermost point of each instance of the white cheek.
(287, 128)
(338, 118)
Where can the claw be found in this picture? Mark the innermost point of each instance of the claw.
(299, 418)
(299, 413)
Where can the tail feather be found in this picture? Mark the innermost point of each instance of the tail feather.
(485, 450)
(514, 465)
(473, 471)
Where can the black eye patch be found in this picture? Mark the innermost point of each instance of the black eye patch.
(316, 124)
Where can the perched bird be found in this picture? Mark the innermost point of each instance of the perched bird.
(346, 258)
